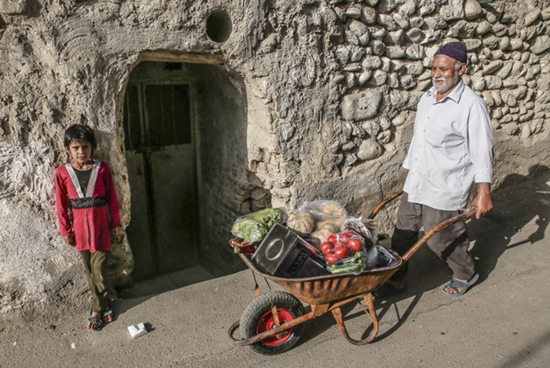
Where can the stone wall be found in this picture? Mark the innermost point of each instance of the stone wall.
(331, 90)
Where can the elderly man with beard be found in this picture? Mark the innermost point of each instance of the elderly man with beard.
(452, 147)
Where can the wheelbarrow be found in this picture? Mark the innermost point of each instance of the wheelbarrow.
(272, 323)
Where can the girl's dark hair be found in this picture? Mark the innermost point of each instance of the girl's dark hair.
(80, 132)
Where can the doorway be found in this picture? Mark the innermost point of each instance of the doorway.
(185, 132)
(160, 154)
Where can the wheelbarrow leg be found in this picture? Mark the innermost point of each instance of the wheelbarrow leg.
(337, 313)
(372, 313)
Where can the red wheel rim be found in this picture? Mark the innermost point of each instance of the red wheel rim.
(267, 322)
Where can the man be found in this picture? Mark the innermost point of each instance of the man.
(452, 147)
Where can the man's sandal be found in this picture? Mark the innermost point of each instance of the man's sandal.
(95, 321)
(456, 285)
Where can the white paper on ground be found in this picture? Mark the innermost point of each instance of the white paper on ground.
(137, 330)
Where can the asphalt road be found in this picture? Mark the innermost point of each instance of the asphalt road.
(503, 321)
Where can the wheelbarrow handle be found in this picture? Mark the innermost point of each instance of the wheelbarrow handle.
(434, 231)
(384, 202)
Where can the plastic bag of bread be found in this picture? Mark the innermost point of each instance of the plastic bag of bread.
(319, 218)
(322, 234)
(301, 221)
(326, 214)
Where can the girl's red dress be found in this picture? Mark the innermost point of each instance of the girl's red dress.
(91, 226)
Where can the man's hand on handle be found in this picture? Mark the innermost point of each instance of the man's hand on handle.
(483, 203)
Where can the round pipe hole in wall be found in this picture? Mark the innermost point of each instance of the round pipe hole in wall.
(218, 26)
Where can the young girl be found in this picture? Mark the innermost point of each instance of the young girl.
(86, 186)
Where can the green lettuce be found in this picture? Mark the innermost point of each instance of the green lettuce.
(255, 226)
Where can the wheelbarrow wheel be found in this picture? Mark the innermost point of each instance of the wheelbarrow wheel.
(258, 317)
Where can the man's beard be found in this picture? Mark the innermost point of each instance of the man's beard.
(446, 87)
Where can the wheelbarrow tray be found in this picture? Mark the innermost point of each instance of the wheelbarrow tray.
(331, 288)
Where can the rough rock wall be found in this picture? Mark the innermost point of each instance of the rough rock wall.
(331, 85)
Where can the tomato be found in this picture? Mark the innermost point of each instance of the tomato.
(355, 244)
(344, 238)
(331, 258)
(332, 238)
(326, 247)
(341, 252)
(351, 233)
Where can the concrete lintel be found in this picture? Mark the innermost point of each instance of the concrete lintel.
(183, 57)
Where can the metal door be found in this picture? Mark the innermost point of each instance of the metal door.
(160, 154)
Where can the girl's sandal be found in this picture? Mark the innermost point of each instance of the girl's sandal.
(107, 315)
(98, 322)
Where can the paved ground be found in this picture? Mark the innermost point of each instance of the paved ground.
(501, 322)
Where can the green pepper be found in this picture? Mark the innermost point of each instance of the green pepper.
(335, 270)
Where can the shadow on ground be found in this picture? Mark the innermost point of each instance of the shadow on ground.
(142, 291)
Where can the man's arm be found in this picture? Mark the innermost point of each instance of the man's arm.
(481, 147)
(483, 203)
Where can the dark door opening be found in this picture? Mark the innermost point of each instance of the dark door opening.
(185, 131)
(160, 154)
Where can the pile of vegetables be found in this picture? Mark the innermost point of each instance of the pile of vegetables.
(352, 250)
(344, 253)
(255, 226)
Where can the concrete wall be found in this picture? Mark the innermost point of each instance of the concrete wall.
(330, 87)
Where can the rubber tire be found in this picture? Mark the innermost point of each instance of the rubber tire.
(258, 308)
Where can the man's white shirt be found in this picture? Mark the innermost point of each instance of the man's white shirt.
(452, 146)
